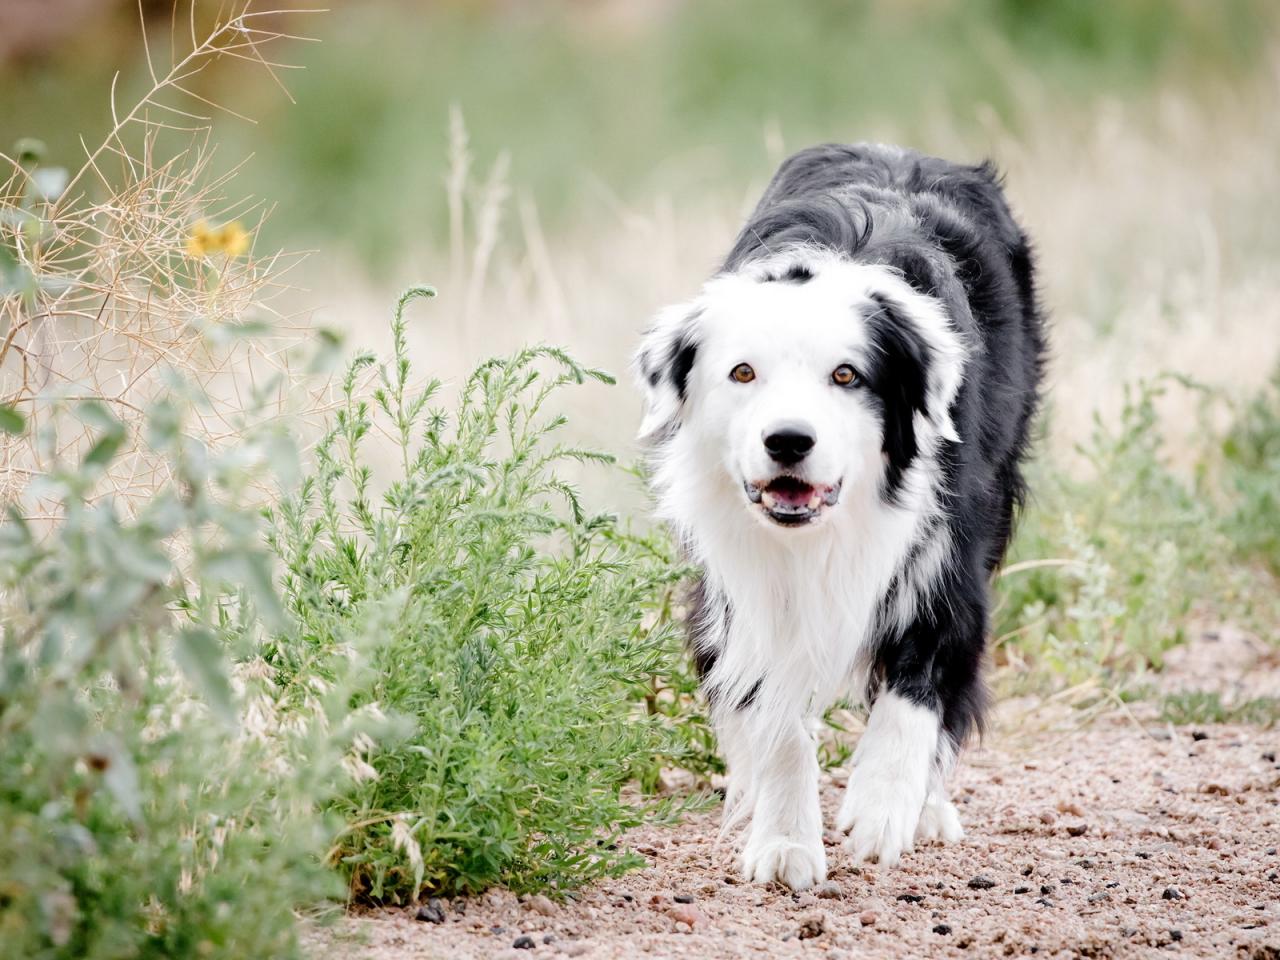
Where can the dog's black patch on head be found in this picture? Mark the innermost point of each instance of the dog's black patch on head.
(683, 352)
(796, 273)
(898, 378)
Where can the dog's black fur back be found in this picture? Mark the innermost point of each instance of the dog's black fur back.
(948, 229)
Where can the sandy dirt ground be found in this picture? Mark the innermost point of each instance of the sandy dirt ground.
(1127, 838)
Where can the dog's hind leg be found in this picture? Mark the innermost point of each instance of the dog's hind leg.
(785, 838)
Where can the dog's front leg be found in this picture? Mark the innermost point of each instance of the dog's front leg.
(890, 782)
(784, 840)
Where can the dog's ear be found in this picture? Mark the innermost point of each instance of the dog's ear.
(917, 364)
(663, 364)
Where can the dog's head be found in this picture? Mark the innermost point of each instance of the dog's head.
(794, 384)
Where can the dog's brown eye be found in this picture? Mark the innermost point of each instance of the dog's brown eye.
(843, 375)
(742, 373)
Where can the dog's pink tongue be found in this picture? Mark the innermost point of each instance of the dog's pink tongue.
(793, 495)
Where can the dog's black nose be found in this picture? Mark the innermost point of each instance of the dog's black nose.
(789, 443)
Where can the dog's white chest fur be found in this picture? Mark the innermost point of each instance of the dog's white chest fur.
(798, 611)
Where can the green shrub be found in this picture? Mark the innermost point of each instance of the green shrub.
(1251, 456)
(149, 804)
(523, 646)
(1108, 567)
(1200, 706)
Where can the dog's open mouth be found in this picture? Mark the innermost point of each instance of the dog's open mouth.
(791, 501)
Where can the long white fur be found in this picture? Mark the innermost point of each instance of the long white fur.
(803, 601)
(889, 785)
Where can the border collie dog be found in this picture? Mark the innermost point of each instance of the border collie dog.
(836, 423)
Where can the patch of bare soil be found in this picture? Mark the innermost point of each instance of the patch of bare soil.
(1120, 840)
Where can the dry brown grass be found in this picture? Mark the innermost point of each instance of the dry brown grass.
(1153, 215)
(105, 296)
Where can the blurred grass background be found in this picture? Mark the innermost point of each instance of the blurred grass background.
(625, 99)
(560, 169)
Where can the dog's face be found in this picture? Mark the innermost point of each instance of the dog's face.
(794, 388)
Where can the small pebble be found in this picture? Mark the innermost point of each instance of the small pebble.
(539, 903)
(942, 929)
(430, 912)
(1269, 757)
(523, 943)
(1175, 935)
(575, 948)
(1077, 829)
(686, 913)
(1198, 735)
(1048, 817)
(867, 918)
(1100, 898)
(829, 890)
(1172, 893)
(682, 898)
(981, 883)
(814, 925)
(910, 897)
(1021, 889)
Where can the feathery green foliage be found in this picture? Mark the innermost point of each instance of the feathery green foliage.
(522, 635)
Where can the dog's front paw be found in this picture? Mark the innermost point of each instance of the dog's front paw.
(880, 813)
(797, 863)
(939, 821)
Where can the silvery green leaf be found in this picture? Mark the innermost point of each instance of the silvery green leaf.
(163, 424)
(142, 560)
(164, 514)
(252, 573)
(282, 458)
(202, 662)
(121, 775)
(60, 722)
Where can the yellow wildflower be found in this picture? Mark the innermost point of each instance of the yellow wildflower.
(198, 240)
(234, 238)
(231, 239)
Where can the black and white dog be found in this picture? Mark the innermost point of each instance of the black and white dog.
(837, 422)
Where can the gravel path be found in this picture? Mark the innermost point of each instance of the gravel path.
(1121, 840)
